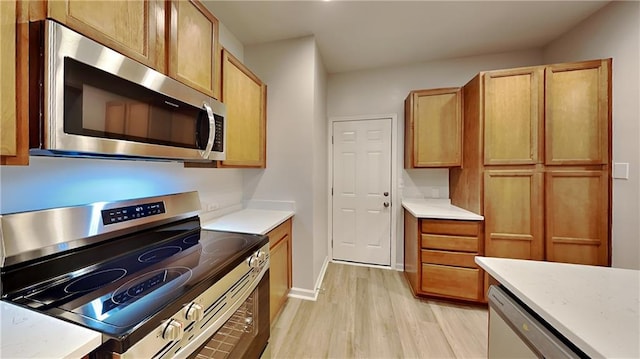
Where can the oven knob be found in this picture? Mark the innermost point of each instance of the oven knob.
(254, 262)
(193, 312)
(172, 330)
(262, 255)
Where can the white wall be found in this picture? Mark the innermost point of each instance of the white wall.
(382, 91)
(320, 154)
(289, 69)
(614, 32)
(54, 182)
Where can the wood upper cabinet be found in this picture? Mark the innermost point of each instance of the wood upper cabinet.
(577, 216)
(8, 106)
(133, 28)
(279, 267)
(14, 90)
(513, 116)
(577, 113)
(513, 212)
(433, 128)
(244, 95)
(193, 46)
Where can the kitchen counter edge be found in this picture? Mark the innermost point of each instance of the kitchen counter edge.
(248, 220)
(438, 209)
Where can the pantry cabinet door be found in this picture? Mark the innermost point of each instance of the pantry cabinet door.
(133, 28)
(577, 218)
(577, 113)
(193, 45)
(513, 210)
(513, 109)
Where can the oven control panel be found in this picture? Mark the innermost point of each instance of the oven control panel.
(123, 214)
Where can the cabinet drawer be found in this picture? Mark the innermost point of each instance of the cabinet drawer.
(451, 281)
(454, 243)
(460, 228)
(458, 259)
(276, 234)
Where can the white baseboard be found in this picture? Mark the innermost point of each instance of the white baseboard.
(400, 267)
(307, 294)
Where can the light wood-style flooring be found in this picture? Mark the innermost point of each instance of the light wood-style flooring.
(364, 312)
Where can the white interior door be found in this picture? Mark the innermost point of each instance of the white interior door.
(362, 191)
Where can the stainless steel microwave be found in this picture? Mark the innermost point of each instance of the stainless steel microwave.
(93, 101)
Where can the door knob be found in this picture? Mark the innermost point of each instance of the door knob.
(386, 194)
(386, 204)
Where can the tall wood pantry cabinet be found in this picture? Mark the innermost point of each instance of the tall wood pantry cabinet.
(537, 161)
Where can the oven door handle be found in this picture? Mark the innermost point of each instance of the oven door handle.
(212, 132)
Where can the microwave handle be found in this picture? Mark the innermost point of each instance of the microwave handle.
(212, 131)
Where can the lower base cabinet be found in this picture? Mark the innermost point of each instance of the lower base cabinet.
(439, 258)
(279, 267)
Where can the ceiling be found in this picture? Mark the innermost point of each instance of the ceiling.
(356, 35)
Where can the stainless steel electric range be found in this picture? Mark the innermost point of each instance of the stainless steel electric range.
(144, 274)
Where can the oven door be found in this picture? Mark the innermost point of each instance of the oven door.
(99, 102)
(246, 333)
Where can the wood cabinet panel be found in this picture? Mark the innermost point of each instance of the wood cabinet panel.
(442, 226)
(577, 113)
(449, 281)
(244, 94)
(458, 243)
(513, 109)
(193, 39)
(278, 233)
(278, 277)
(280, 266)
(133, 28)
(513, 212)
(458, 259)
(8, 105)
(412, 251)
(577, 225)
(433, 128)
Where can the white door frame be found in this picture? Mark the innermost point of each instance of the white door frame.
(396, 206)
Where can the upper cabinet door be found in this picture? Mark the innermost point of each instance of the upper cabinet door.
(433, 128)
(577, 113)
(513, 109)
(8, 116)
(244, 95)
(193, 41)
(133, 28)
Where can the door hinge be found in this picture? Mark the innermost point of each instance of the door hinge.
(332, 140)
(332, 191)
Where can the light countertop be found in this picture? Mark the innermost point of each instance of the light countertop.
(596, 308)
(438, 209)
(249, 220)
(29, 334)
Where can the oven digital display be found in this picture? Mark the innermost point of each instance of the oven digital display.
(123, 214)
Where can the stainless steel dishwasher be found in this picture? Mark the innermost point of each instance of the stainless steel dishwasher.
(516, 332)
